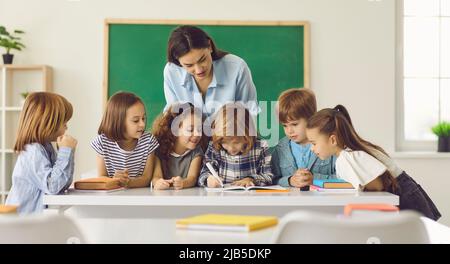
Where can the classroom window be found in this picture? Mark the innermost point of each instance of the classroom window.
(425, 82)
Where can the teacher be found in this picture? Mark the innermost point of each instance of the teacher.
(199, 73)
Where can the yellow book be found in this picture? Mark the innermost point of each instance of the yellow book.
(224, 222)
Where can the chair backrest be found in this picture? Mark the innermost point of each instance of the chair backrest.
(39, 229)
(303, 227)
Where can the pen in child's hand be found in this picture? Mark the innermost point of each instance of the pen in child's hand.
(214, 173)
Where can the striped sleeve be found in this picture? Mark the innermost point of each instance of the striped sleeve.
(97, 145)
(153, 145)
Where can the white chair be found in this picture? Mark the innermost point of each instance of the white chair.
(302, 227)
(39, 229)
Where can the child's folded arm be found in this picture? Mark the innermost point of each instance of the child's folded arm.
(52, 178)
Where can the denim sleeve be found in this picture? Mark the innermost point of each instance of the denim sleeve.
(276, 170)
(324, 176)
(54, 178)
(279, 178)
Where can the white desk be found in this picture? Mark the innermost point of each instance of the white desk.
(163, 231)
(146, 203)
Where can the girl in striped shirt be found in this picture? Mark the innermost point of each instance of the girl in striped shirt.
(179, 158)
(124, 149)
(235, 152)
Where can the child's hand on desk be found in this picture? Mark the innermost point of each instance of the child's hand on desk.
(211, 182)
(246, 182)
(122, 175)
(177, 183)
(162, 184)
(301, 178)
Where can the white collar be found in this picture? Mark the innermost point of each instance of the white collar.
(176, 155)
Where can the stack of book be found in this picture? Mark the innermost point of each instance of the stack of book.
(332, 185)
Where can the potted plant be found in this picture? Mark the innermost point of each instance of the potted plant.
(10, 41)
(24, 97)
(442, 130)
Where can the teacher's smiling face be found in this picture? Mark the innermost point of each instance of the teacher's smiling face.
(197, 62)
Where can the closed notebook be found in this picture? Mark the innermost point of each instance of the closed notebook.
(225, 222)
(332, 184)
(100, 183)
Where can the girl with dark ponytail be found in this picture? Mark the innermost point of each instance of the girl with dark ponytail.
(365, 165)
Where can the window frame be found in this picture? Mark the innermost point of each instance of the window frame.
(402, 144)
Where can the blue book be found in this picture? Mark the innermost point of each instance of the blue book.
(332, 183)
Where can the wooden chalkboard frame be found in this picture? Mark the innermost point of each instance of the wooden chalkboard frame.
(111, 21)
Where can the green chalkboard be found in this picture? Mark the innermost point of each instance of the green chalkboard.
(276, 53)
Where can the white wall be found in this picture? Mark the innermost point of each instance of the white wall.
(352, 59)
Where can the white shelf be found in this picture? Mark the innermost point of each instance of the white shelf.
(7, 150)
(12, 108)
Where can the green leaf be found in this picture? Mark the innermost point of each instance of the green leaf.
(441, 129)
(10, 41)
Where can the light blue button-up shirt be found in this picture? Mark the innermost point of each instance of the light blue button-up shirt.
(38, 171)
(231, 82)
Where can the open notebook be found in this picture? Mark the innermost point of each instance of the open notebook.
(229, 187)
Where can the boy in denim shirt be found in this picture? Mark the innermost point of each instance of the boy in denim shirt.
(293, 162)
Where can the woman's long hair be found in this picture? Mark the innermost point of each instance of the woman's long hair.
(185, 38)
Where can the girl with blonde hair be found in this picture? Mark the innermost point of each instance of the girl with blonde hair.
(39, 168)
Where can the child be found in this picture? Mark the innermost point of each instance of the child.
(124, 149)
(179, 157)
(39, 168)
(235, 152)
(292, 156)
(365, 165)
